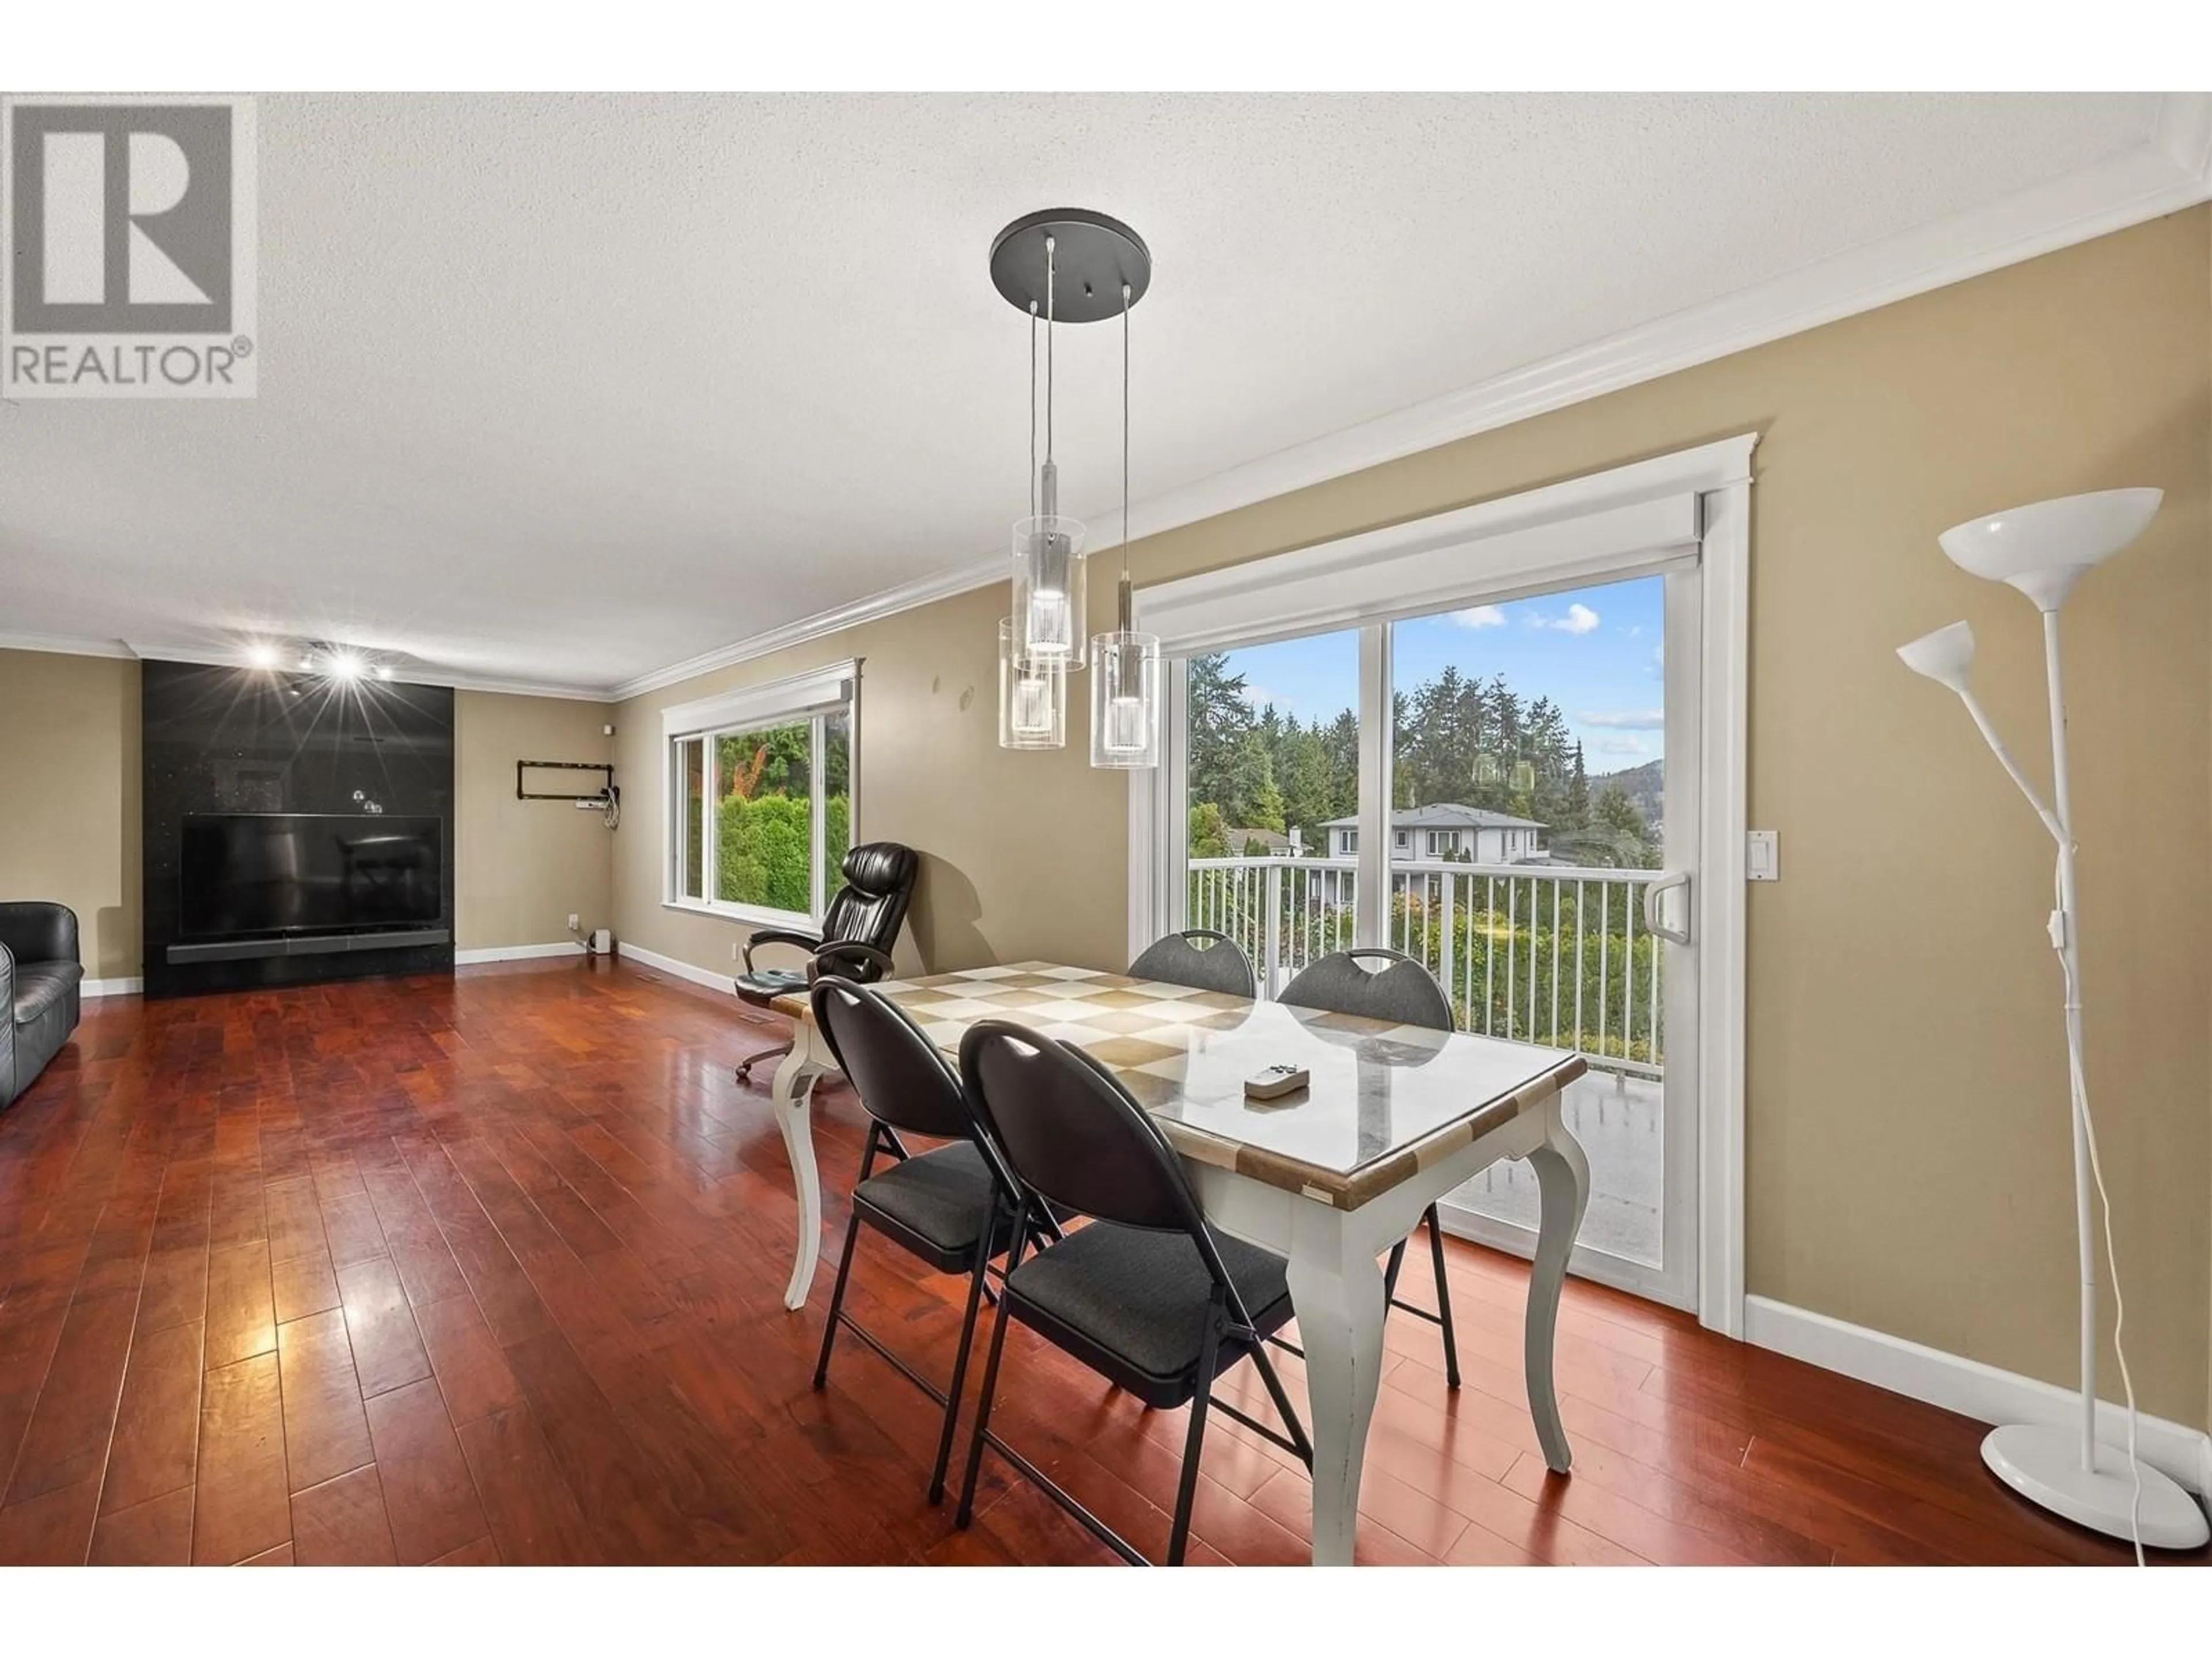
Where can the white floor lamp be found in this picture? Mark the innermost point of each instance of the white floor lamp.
(2043, 550)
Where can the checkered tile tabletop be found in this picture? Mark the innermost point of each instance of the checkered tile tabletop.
(1386, 1100)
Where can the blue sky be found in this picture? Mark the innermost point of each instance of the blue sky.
(1594, 650)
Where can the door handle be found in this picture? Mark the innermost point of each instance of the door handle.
(1652, 907)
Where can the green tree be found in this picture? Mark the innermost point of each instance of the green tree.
(1622, 827)
(1578, 795)
(1209, 833)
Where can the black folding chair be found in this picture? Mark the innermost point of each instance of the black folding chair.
(953, 1207)
(1402, 990)
(1147, 1295)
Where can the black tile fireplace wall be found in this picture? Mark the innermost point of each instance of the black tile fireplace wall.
(240, 740)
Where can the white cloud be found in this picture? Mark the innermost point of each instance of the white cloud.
(1480, 616)
(1629, 719)
(1260, 697)
(1579, 619)
(1620, 744)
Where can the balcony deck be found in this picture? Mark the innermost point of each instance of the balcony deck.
(1540, 953)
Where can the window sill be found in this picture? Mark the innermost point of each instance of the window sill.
(746, 915)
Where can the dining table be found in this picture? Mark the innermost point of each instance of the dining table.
(1329, 1177)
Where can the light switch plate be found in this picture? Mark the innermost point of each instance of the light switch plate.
(1762, 855)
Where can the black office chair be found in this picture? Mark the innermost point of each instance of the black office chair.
(1403, 991)
(1147, 1295)
(954, 1207)
(858, 930)
(1199, 957)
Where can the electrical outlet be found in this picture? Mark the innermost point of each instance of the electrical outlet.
(572, 921)
(736, 955)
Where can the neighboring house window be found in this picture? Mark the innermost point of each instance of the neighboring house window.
(1399, 839)
(761, 797)
(1351, 843)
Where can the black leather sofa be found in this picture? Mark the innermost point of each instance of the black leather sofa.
(40, 977)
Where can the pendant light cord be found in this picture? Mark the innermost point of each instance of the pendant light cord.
(1051, 268)
(1125, 435)
(1033, 472)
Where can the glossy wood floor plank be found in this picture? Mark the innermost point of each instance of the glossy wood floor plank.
(430, 1496)
(156, 1444)
(243, 1508)
(489, 1269)
(157, 1533)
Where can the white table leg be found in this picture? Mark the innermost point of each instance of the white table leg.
(1563, 1185)
(1336, 1290)
(792, 1096)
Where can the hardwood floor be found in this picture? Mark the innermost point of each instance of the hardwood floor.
(489, 1269)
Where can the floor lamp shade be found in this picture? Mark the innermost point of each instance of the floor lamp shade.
(1944, 656)
(2043, 549)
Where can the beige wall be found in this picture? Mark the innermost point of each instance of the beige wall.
(1908, 1161)
(523, 866)
(69, 821)
(69, 755)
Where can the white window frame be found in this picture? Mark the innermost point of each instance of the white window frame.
(814, 697)
(1674, 510)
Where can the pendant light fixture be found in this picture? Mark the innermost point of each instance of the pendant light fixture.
(1061, 266)
(1032, 695)
(1049, 572)
(1125, 681)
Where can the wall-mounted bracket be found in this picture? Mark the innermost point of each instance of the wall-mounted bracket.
(522, 768)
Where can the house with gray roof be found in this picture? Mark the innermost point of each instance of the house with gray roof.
(1447, 829)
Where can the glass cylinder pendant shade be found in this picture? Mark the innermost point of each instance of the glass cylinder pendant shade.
(1049, 587)
(1125, 700)
(1524, 777)
(1032, 696)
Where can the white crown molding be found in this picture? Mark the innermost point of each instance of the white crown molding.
(154, 651)
(908, 596)
(1967, 1386)
(2172, 171)
(65, 645)
(162, 651)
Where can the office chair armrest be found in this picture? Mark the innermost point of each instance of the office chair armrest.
(809, 943)
(850, 959)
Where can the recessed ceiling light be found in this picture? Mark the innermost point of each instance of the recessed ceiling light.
(345, 664)
(262, 654)
(384, 673)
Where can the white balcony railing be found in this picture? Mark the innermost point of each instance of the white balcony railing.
(1539, 953)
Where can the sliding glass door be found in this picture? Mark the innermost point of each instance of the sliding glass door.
(1505, 789)
(1532, 741)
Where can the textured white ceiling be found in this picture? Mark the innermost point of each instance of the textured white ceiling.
(565, 389)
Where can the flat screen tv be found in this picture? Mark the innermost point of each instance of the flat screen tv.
(248, 874)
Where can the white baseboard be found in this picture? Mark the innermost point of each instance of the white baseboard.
(566, 947)
(112, 988)
(671, 967)
(1967, 1386)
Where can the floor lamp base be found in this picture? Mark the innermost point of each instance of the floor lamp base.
(2044, 1466)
